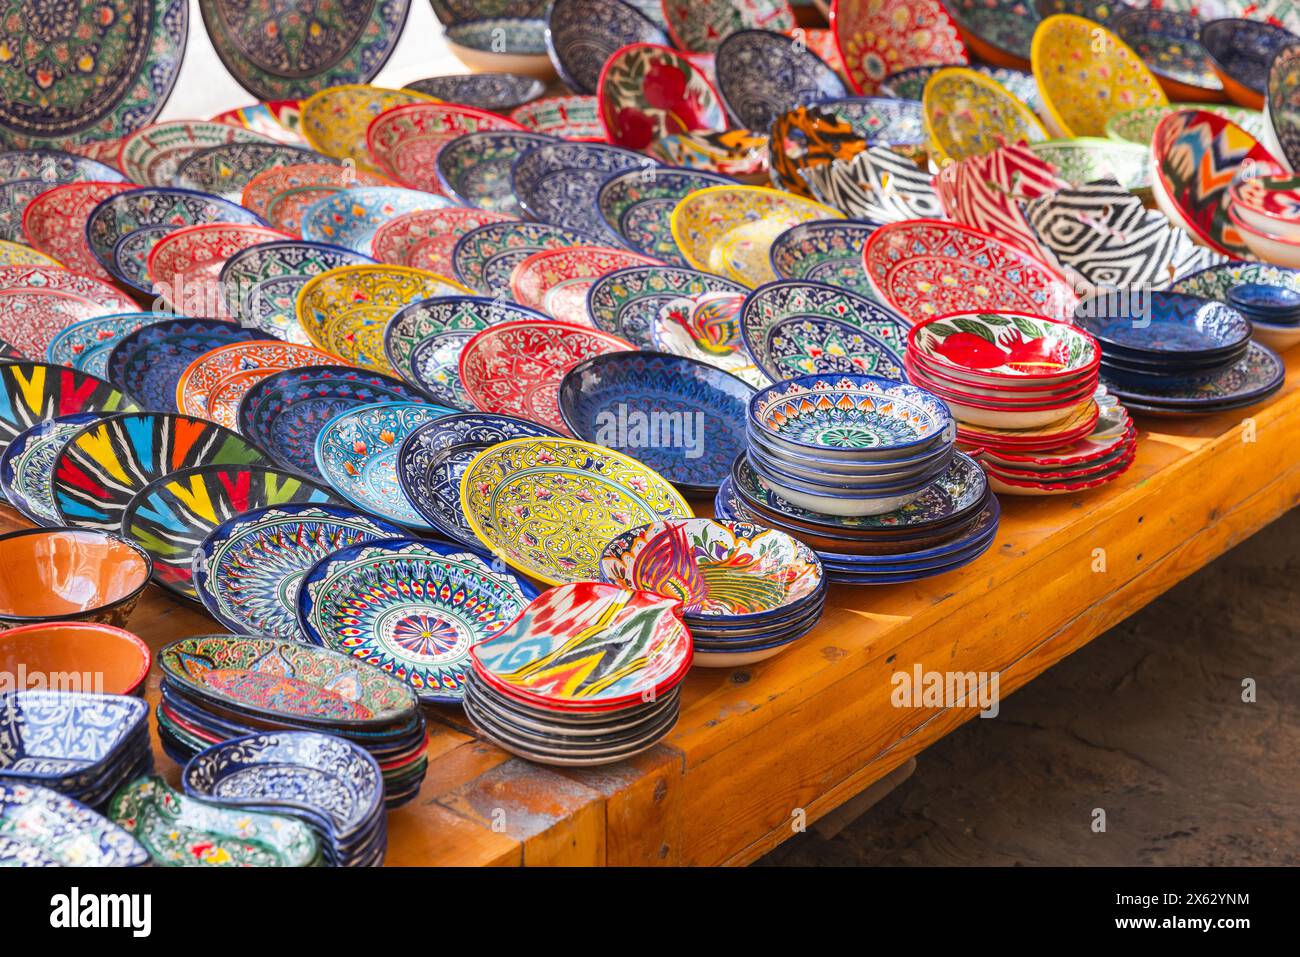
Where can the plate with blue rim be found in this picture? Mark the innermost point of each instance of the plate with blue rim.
(1166, 327)
(170, 517)
(25, 174)
(350, 217)
(226, 169)
(637, 204)
(147, 363)
(581, 35)
(626, 302)
(1243, 50)
(827, 251)
(909, 84)
(285, 411)
(1251, 379)
(795, 328)
(86, 345)
(426, 604)
(123, 229)
(357, 450)
(484, 258)
(761, 74)
(58, 831)
(682, 418)
(423, 340)
(557, 184)
(248, 568)
(27, 465)
(499, 92)
(260, 284)
(474, 169)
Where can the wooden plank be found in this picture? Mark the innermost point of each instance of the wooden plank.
(643, 807)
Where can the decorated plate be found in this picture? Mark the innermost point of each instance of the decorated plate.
(185, 266)
(86, 345)
(502, 43)
(213, 384)
(404, 142)
(555, 281)
(411, 609)
(1242, 51)
(226, 170)
(877, 185)
(486, 257)
(548, 506)
(627, 303)
(281, 120)
(829, 252)
(84, 72)
(16, 254)
(40, 825)
(27, 465)
(1169, 43)
(701, 27)
(1139, 125)
(1087, 159)
(248, 570)
(557, 184)
(927, 267)
(795, 328)
(104, 465)
(423, 340)
(344, 311)
(148, 363)
(152, 155)
(762, 74)
(682, 418)
(706, 328)
(451, 12)
(486, 91)
(282, 195)
(31, 392)
(350, 216)
(568, 117)
(475, 169)
(1284, 105)
(26, 174)
(288, 50)
(335, 119)
(909, 84)
(425, 238)
(260, 285)
(1253, 378)
(988, 192)
(872, 46)
(969, 114)
(172, 515)
(638, 204)
(582, 35)
(37, 302)
(1001, 33)
(285, 411)
(1215, 282)
(356, 452)
(55, 223)
(123, 229)
(648, 91)
(515, 368)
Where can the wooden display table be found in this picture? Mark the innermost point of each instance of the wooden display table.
(760, 749)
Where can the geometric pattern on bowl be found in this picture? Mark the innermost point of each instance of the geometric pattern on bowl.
(988, 192)
(878, 185)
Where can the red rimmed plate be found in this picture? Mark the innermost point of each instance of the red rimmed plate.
(55, 223)
(281, 196)
(515, 368)
(213, 384)
(425, 238)
(404, 141)
(1006, 485)
(1057, 435)
(876, 38)
(929, 267)
(1004, 350)
(185, 266)
(38, 302)
(556, 281)
(648, 91)
(568, 117)
(1086, 457)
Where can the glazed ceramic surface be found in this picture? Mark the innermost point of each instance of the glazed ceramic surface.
(475, 169)
(404, 141)
(1004, 345)
(69, 742)
(1086, 159)
(26, 174)
(40, 827)
(283, 195)
(86, 345)
(1256, 376)
(811, 136)
(27, 465)
(557, 184)
(55, 223)
(31, 392)
(555, 281)
(487, 91)
(706, 328)
(628, 302)
(647, 91)
(969, 114)
(1162, 323)
(486, 257)
(334, 120)
(249, 568)
(637, 204)
(37, 302)
(1168, 42)
(16, 254)
(877, 185)
(225, 170)
(185, 266)
(1242, 51)
(1138, 125)
(741, 154)
(581, 36)
(548, 506)
(1284, 104)
(761, 74)
(700, 27)
(425, 238)
(876, 39)
(54, 576)
(151, 155)
(213, 385)
(451, 12)
(909, 84)
(824, 252)
(568, 117)
(349, 217)
(998, 32)
(412, 609)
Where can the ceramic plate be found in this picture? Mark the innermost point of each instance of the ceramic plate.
(335, 119)
(88, 72)
(16, 254)
(682, 418)
(706, 328)
(27, 465)
(1255, 377)
(423, 341)
(638, 204)
(55, 223)
(226, 170)
(877, 185)
(648, 91)
(1241, 51)
(762, 74)
(557, 184)
(1169, 44)
(248, 569)
(350, 217)
(555, 281)
(548, 506)
(285, 50)
(260, 285)
(969, 114)
(486, 257)
(1000, 33)
(26, 174)
(425, 238)
(404, 142)
(487, 91)
(1087, 159)
(102, 467)
(627, 303)
(1215, 282)
(1138, 125)
(151, 156)
(915, 33)
(37, 302)
(185, 266)
(172, 515)
(568, 117)
(86, 345)
(828, 251)
(581, 36)
(30, 392)
(212, 386)
(1284, 105)
(42, 827)
(344, 311)
(412, 609)
(475, 169)
(280, 120)
(283, 195)
(987, 192)
(451, 12)
(700, 27)
(909, 84)
(515, 368)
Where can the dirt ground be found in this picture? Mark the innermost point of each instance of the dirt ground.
(1146, 722)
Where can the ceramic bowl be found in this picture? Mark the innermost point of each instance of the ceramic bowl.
(27, 465)
(638, 205)
(486, 91)
(1168, 41)
(1163, 326)
(350, 217)
(878, 185)
(1253, 378)
(1002, 395)
(475, 169)
(741, 154)
(405, 141)
(824, 251)
(150, 155)
(185, 266)
(502, 45)
(1241, 52)
(701, 27)
(54, 222)
(555, 281)
(1279, 250)
(1005, 349)
(282, 196)
(334, 119)
(226, 169)
(119, 658)
(425, 238)
(761, 74)
(970, 114)
(999, 33)
(916, 33)
(582, 35)
(44, 828)
(213, 385)
(1136, 126)
(855, 504)
(30, 391)
(982, 412)
(486, 257)
(557, 184)
(38, 302)
(1086, 159)
(78, 574)
(909, 84)
(1283, 127)
(988, 192)
(574, 118)
(628, 303)
(1267, 199)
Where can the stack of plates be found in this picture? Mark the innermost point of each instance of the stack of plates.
(329, 784)
(217, 687)
(82, 745)
(1266, 305)
(849, 445)
(43, 828)
(950, 524)
(747, 591)
(587, 675)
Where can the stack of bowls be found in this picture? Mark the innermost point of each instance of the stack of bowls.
(331, 785)
(848, 445)
(589, 674)
(1264, 205)
(82, 745)
(217, 687)
(747, 591)
(1269, 308)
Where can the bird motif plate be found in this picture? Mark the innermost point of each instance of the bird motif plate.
(627, 303)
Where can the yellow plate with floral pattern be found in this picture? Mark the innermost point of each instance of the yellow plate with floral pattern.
(16, 254)
(335, 120)
(548, 507)
(969, 114)
(1086, 75)
(344, 311)
(728, 230)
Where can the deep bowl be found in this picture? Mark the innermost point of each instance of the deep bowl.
(69, 574)
(116, 660)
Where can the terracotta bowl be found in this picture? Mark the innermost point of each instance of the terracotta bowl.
(69, 574)
(116, 660)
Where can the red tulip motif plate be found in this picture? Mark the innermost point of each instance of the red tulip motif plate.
(556, 281)
(648, 92)
(425, 238)
(515, 368)
(185, 266)
(928, 267)
(55, 223)
(38, 302)
(404, 141)
(879, 37)
(281, 196)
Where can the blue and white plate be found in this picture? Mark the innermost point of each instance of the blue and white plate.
(27, 465)
(86, 345)
(581, 35)
(761, 74)
(557, 184)
(638, 204)
(484, 258)
(474, 169)
(350, 217)
(828, 251)
(42, 828)
(498, 92)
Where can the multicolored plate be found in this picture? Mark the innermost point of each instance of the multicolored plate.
(648, 91)
(185, 266)
(824, 251)
(638, 205)
(26, 174)
(487, 91)
(701, 26)
(1138, 125)
(55, 223)
(31, 392)
(627, 303)
(475, 169)
(151, 156)
(761, 74)
(86, 345)
(568, 117)
(350, 217)
(582, 35)
(969, 114)
(334, 120)
(555, 281)
(226, 170)
(283, 195)
(425, 238)
(37, 302)
(28, 464)
(876, 40)
(212, 386)
(557, 184)
(486, 257)
(404, 142)
(1284, 105)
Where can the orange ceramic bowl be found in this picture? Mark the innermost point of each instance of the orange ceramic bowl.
(99, 657)
(69, 574)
